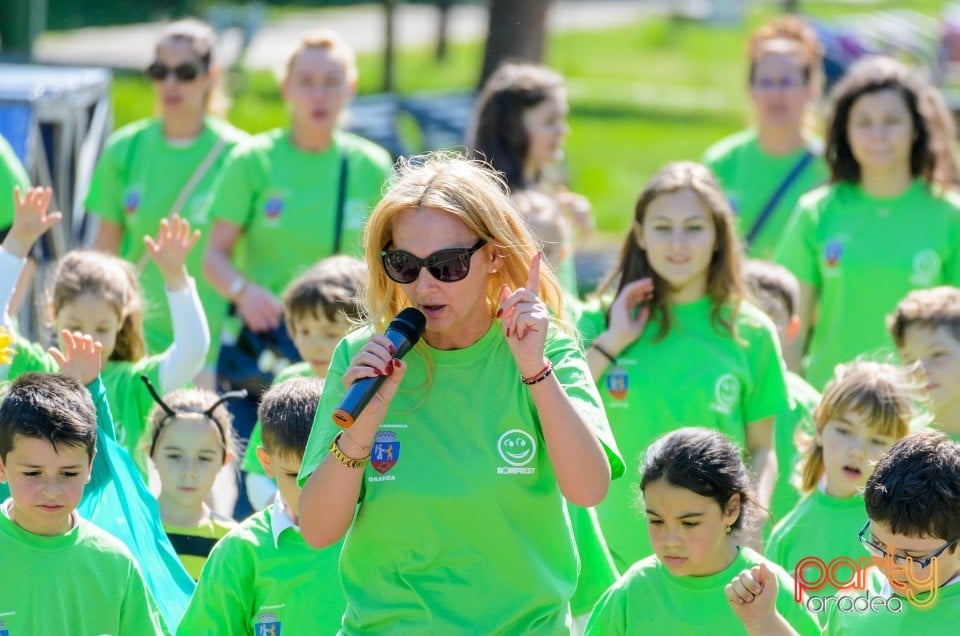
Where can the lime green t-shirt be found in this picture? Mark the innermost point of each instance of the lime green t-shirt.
(862, 254)
(27, 357)
(193, 545)
(461, 482)
(750, 176)
(251, 464)
(897, 617)
(137, 180)
(649, 599)
(285, 201)
(597, 570)
(804, 400)
(824, 527)
(697, 375)
(82, 582)
(11, 174)
(252, 585)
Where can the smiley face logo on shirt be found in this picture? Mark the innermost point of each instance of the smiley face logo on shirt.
(726, 393)
(926, 266)
(517, 447)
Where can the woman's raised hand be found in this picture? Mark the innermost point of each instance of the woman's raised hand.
(525, 320)
(170, 249)
(376, 358)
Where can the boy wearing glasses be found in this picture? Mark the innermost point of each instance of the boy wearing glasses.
(913, 505)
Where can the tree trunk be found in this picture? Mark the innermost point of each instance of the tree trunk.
(517, 31)
(389, 44)
(791, 6)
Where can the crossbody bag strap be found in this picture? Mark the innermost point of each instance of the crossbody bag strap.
(777, 195)
(190, 186)
(341, 202)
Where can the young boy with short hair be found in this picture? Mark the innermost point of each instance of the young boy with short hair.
(777, 292)
(913, 510)
(263, 578)
(925, 326)
(61, 573)
(319, 308)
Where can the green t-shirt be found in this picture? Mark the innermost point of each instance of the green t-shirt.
(824, 527)
(251, 464)
(478, 534)
(649, 599)
(898, 617)
(137, 180)
(82, 582)
(11, 174)
(862, 254)
(698, 375)
(252, 585)
(285, 201)
(749, 177)
(804, 400)
(597, 571)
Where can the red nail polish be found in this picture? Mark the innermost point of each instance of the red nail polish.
(378, 371)
(499, 312)
(392, 349)
(508, 332)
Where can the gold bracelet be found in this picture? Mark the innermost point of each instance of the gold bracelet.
(346, 460)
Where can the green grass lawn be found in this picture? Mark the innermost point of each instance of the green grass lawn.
(640, 95)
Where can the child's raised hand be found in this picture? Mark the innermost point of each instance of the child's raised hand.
(170, 249)
(525, 319)
(629, 313)
(753, 594)
(30, 219)
(80, 358)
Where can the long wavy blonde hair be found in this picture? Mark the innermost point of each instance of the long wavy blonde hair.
(472, 192)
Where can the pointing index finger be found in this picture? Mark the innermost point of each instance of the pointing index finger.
(533, 278)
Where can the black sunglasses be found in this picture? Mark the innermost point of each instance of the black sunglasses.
(447, 266)
(186, 72)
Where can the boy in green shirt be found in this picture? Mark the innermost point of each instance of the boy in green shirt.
(48, 435)
(319, 308)
(913, 505)
(777, 292)
(925, 326)
(263, 578)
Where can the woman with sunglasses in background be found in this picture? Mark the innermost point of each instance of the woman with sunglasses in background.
(461, 461)
(167, 165)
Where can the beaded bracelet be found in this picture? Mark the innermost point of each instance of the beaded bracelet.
(606, 354)
(539, 377)
(346, 460)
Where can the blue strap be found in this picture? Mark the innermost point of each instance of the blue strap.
(777, 195)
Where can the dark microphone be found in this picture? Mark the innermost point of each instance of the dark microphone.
(404, 332)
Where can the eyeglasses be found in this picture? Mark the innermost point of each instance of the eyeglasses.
(447, 266)
(186, 72)
(900, 559)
